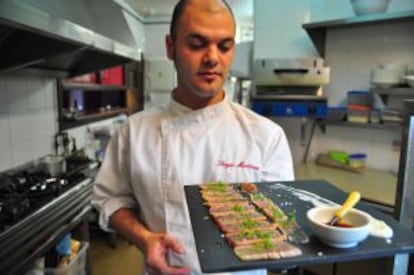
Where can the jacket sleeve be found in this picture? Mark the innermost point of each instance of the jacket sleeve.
(112, 189)
(278, 162)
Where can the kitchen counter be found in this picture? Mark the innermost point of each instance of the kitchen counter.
(374, 185)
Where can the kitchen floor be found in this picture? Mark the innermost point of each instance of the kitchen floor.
(110, 255)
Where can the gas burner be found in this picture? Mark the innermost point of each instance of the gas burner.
(49, 186)
(22, 192)
(14, 207)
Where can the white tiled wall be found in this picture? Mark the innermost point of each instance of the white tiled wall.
(28, 119)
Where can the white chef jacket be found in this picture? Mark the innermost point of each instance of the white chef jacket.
(157, 151)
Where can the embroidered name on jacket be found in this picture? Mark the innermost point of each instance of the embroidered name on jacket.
(241, 165)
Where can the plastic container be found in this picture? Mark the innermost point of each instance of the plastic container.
(336, 114)
(357, 160)
(358, 116)
(339, 156)
(76, 267)
(360, 98)
(375, 116)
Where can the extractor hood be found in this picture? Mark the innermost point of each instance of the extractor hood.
(33, 38)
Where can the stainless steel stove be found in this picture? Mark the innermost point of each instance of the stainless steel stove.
(36, 210)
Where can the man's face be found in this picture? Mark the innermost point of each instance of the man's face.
(203, 50)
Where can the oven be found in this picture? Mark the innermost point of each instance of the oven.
(37, 210)
(290, 87)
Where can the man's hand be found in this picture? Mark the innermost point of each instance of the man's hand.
(155, 246)
(156, 249)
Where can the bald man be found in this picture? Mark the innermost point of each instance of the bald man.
(199, 137)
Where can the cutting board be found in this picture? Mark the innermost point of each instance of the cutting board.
(325, 160)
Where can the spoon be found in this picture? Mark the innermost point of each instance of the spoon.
(352, 199)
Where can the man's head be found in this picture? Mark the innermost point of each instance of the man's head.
(201, 44)
(178, 11)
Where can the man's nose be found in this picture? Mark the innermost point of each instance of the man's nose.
(210, 57)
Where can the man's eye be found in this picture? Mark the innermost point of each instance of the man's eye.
(225, 47)
(196, 46)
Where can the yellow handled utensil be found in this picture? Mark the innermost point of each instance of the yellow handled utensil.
(352, 199)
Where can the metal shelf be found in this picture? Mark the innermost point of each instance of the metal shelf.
(92, 117)
(380, 126)
(400, 91)
(91, 86)
(317, 30)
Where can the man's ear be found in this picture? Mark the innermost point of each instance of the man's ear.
(169, 44)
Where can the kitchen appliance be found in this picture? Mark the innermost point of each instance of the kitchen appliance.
(290, 87)
(37, 209)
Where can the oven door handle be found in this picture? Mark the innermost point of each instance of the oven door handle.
(291, 71)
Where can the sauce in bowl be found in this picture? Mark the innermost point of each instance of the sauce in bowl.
(342, 224)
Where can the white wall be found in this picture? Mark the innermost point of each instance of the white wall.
(278, 29)
(28, 119)
(155, 40)
(350, 53)
(353, 52)
(137, 30)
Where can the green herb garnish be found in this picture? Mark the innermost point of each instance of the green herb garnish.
(267, 244)
(278, 215)
(219, 186)
(248, 224)
(263, 235)
(292, 216)
(238, 208)
(259, 197)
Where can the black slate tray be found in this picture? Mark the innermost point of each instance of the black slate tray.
(216, 255)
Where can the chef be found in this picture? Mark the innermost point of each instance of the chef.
(198, 137)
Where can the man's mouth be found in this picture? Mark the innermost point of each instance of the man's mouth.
(209, 75)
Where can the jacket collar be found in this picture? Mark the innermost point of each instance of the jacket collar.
(182, 116)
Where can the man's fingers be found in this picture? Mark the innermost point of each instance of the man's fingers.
(172, 243)
(156, 256)
(164, 269)
(178, 270)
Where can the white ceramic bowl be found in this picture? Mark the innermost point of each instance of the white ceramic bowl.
(388, 75)
(410, 80)
(340, 237)
(362, 7)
